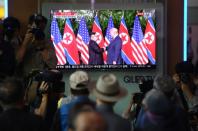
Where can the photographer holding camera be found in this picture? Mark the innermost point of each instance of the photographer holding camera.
(135, 104)
(36, 52)
(161, 110)
(44, 89)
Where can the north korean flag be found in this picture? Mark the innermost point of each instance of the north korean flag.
(97, 29)
(69, 43)
(100, 39)
(150, 40)
(126, 43)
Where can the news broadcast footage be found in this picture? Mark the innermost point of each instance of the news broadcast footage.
(103, 39)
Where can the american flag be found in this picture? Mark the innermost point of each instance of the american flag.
(57, 42)
(138, 45)
(108, 37)
(83, 41)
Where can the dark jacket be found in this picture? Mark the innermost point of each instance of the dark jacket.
(114, 51)
(7, 59)
(61, 118)
(114, 121)
(38, 56)
(95, 54)
(176, 121)
(19, 120)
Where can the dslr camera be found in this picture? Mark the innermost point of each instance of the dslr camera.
(37, 24)
(144, 86)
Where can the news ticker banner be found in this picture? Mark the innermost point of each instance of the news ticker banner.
(106, 66)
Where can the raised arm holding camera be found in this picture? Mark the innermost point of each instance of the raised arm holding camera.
(41, 110)
(36, 52)
(43, 93)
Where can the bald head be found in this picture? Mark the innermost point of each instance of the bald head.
(113, 32)
(90, 121)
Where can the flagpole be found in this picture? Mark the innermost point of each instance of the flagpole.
(39, 6)
(111, 13)
(122, 13)
(92, 4)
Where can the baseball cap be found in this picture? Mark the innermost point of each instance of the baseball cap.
(79, 80)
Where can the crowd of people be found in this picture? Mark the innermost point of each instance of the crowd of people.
(19, 56)
(32, 91)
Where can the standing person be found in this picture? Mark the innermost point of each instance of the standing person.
(107, 92)
(95, 52)
(10, 42)
(13, 117)
(36, 52)
(162, 102)
(114, 48)
(161, 114)
(79, 81)
(11, 28)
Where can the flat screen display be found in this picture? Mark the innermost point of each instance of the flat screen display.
(104, 39)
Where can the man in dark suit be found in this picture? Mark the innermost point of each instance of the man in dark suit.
(95, 52)
(114, 48)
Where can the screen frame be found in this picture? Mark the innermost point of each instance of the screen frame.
(160, 34)
(6, 8)
(5, 5)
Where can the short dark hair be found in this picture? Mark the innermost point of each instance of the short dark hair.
(10, 26)
(80, 92)
(11, 91)
(11, 22)
(165, 84)
(92, 33)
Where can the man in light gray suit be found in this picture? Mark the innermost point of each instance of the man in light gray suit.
(108, 91)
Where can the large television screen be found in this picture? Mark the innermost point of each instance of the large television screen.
(103, 39)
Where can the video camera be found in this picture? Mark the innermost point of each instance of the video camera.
(52, 77)
(144, 86)
(34, 80)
